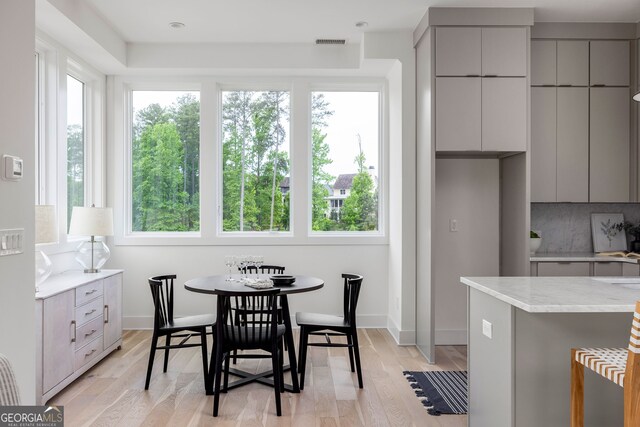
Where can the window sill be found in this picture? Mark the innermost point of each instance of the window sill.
(253, 239)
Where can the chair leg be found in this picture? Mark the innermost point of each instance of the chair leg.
(152, 355)
(356, 353)
(277, 375)
(304, 337)
(226, 373)
(577, 391)
(281, 346)
(166, 353)
(216, 391)
(281, 322)
(205, 370)
(350, 342)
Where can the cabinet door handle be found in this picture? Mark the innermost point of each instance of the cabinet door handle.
(92, 291)
(565, 85)
(490, 75)
(472, 75)
(598, 85)
(88, 334)
(90, 312)
(106, 317)
(90, 353)
(73, 323)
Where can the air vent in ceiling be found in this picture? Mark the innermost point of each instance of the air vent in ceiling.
(331, 41)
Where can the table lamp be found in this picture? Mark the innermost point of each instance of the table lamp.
(636, 97)
(46, 232)
(92, 222)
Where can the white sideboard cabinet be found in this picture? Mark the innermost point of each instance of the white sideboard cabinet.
(78, 323)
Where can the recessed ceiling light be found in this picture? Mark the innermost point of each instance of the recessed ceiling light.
(362, 24)
(176, 25)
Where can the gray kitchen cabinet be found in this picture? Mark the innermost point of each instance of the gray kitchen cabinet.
(564, 269)
(543, 63)
(458, 114)
(573, 63)
(543, 144)
(504, 51)
(609, 144)
(630, 270)
(458, 51)
(603, 269)
(609, 63)
(572, 136)
(504, 114)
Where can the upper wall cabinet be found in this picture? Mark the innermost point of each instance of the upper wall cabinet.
(543, 62)
(504, 114)
(458, 51)
(472, 51)
(573, 63)
(609, 65)
(458, 114)
(504, 52)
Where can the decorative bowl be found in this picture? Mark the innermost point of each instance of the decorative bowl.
(282, 279)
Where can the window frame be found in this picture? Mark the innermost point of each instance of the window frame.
(383, 143)
(210, 87)
(230, 87)
(164, 86)
(56, 62)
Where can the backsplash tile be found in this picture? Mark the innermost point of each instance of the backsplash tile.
(566, 227)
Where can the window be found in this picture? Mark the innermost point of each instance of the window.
(75, 145)
(345, 162)
(255, 161)
(165, 155)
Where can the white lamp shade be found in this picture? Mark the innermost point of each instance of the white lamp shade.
(91, 221)
(636, 97)
(46, 227)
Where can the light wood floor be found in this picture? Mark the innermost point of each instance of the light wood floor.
(112, 393)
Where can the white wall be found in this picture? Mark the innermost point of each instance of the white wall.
(402, 177)
(326, 262)
(17, 287)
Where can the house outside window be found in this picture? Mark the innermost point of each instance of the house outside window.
(345, 157)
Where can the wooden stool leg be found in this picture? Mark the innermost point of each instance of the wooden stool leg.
(577, 392)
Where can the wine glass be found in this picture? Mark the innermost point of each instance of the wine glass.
(229, 261)
(251, 262)
(242, 263)
(259, 260)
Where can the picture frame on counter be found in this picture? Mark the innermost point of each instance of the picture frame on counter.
(606, 236)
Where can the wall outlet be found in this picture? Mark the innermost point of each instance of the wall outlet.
(487, 329)
(453, 225)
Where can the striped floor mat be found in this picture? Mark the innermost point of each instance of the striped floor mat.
(441, 392)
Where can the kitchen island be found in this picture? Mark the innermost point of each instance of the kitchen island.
(521, 331)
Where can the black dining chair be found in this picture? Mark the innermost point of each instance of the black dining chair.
(241, 312)
(164, 325)
(328, 325)
(264, 269)
(263, 333)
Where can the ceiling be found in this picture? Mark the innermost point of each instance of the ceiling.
(303, 21)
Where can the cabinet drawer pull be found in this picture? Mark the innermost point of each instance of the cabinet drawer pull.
(90, 312)
(564, 85)
(93, 331)
(91, 292)
(73, 323)
(106, 316)
(597, 85)
(490, 75)
(90, 353)
(472, 75)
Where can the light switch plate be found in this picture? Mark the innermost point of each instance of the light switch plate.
(487, 329)
(11, 241)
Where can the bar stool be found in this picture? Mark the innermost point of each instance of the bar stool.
(619, 365)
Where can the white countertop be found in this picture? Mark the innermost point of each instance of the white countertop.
(70, 279)
(561, 294)
(578, 257)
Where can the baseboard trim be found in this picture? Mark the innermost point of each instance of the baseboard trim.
(451, 337)
(403, 338)
(364, 321)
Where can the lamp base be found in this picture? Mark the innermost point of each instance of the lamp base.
(91, 270)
